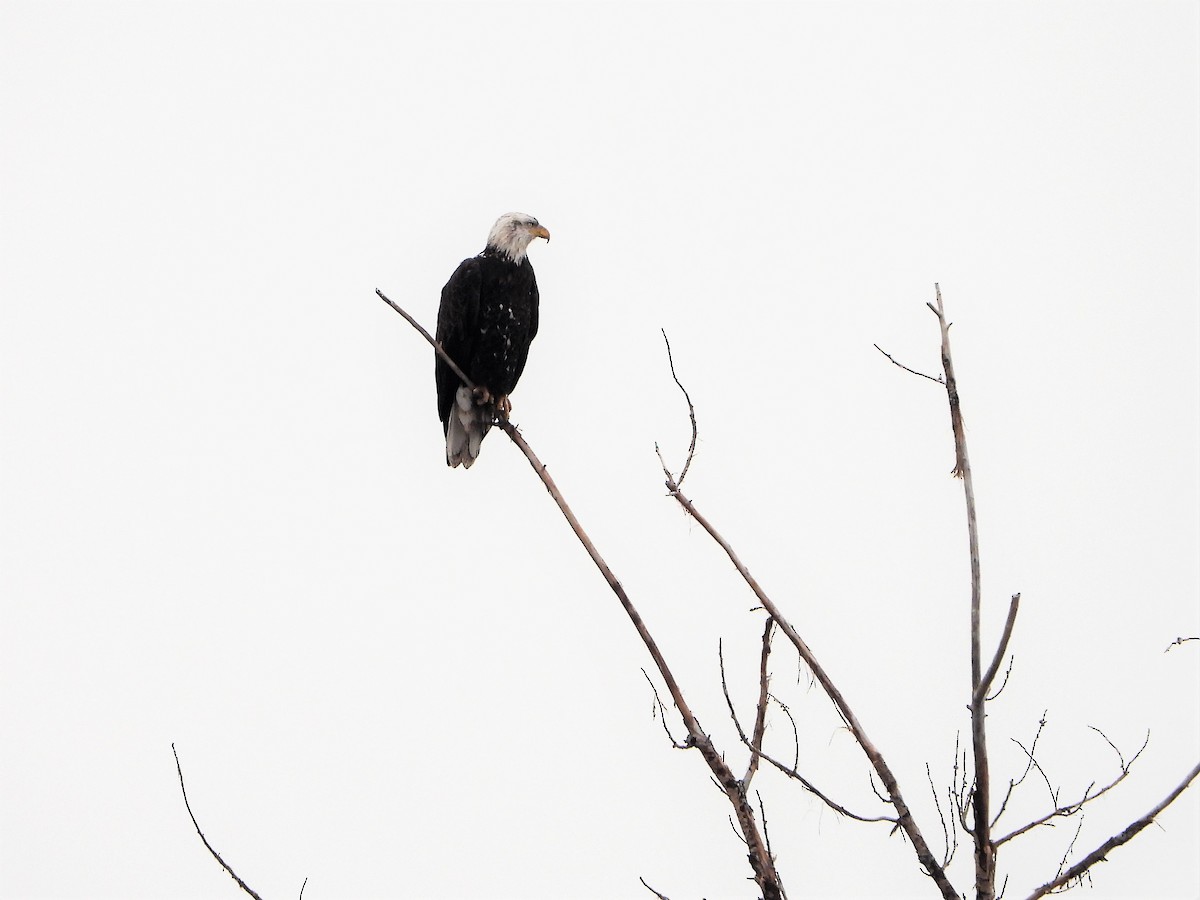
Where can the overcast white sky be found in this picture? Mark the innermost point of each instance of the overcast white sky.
(227, 522)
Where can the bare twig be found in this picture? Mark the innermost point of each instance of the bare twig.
(765, 874)
(906, 368)
(1100, 854)
(937, 802)
(1029, 763)
(1003, 682)
(217, 856)
(795, 731)
(691, 410)
(662, 713)
(652, 890)
(1069, 809)
(1178, 641)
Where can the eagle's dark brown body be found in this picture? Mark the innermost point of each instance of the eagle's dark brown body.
(487, 319)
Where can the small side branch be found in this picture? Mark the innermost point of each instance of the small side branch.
(901, 365)
(652, 890)
(760, 716)
(691, 410)
(1100, 854)
(215, 855)
(985, 683)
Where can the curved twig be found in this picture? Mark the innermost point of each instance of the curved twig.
(217, 856)
(691, 410)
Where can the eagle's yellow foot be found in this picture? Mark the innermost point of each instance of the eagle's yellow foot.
(482, 396)
(503, 407)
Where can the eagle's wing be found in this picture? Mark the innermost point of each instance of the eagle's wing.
(457, 330)
(533, 327)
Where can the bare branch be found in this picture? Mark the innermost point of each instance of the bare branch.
(937, 802)
(1178, 641)
(662, 713)
(1100, 854)
(838, 808)
(756, 752)
(691, 411)
(986, 682)
(652, 890)
(760, 719)
(985, 851)
(217, 856)
(1070, 809)
(425, 334)
(1030, 759)
(1003, 683)
(795, 731)
(906, 368)
(765, 874)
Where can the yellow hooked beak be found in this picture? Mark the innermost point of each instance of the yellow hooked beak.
(539, 231)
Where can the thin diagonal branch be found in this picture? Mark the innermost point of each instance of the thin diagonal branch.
(895, 362)
(1100, 854)
(429, 337)
(759, 857)
(652, 890)
(217, 856)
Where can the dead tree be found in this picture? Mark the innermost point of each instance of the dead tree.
(970, 796)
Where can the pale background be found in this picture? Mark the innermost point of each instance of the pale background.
(227, 523)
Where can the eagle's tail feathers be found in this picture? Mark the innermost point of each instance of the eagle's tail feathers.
(466, 429)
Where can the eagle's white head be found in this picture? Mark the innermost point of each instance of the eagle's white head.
(512, 234)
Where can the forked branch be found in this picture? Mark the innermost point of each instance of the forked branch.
(893, 796)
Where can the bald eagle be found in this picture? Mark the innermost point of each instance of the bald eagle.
(486, 322)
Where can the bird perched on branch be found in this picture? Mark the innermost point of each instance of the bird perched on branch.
(486, 322)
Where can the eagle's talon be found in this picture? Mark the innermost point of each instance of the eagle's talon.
(503, 407)
(482, 396)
